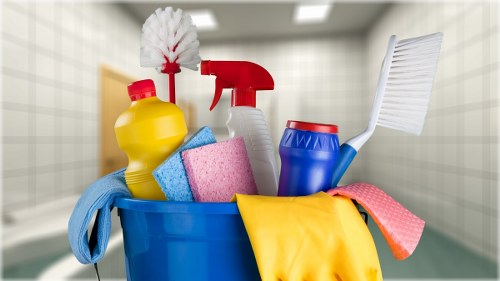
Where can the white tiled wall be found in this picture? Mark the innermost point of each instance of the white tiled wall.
(51, 55)
(449, 174)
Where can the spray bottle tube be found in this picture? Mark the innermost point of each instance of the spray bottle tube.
(246, 78)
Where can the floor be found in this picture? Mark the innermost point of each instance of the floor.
(31, 269)
(436, 257)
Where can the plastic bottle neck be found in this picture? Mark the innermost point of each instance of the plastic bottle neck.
(243, 97)
(144, 100)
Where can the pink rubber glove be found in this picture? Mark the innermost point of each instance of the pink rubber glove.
(401, 228)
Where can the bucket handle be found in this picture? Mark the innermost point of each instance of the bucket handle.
(93, 242)
(362, 213)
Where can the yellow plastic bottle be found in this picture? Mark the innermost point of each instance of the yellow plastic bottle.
(149, 131)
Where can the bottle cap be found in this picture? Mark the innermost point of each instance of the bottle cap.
(141, 89)
(313, 127)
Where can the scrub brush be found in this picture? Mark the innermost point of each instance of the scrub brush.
(403, 92)
(169, 41)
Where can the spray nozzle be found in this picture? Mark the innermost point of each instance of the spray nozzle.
(245, 78)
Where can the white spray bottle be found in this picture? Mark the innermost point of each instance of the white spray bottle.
(246, 78)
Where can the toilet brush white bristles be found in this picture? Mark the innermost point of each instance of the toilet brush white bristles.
(169, 40)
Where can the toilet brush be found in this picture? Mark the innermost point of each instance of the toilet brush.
(169, 41)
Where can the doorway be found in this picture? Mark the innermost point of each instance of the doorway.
(114, 100)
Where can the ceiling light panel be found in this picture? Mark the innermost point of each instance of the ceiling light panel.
(204, 20)
(311, 13)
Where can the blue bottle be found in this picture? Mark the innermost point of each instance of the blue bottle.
(309, 154)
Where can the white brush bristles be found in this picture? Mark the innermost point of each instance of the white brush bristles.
(409, 83)
(169, 37)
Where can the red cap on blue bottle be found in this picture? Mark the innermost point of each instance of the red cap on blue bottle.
(313, 127)
(141, 89)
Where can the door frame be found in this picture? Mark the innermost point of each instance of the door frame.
(106, 71)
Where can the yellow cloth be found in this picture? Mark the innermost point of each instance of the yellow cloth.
(309, 238)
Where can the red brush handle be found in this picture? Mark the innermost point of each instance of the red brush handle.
(171, 69)
(171, 87)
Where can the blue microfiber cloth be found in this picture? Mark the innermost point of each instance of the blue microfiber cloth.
(171, 174)
(97, 198)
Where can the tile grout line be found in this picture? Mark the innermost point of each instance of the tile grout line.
(58, 118)
(486, 148)
(32, 179)
(78, 179)
(460, 148)
(439, 180)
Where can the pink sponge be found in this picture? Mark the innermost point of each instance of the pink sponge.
(217, 171)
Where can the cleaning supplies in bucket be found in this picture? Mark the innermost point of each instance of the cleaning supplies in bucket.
(309, 153)
(245, 79)
(314, 237)
(149, 131)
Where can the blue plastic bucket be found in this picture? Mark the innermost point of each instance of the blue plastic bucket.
(185, 241)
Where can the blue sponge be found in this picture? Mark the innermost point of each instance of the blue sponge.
(171, 174)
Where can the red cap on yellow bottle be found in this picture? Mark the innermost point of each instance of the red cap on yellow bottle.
(141, 89)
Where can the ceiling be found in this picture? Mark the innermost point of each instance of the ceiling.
(265, 20)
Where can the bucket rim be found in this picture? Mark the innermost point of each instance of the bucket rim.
(157, 206)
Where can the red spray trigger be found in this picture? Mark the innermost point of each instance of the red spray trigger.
(245, 78)
(219, 86)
